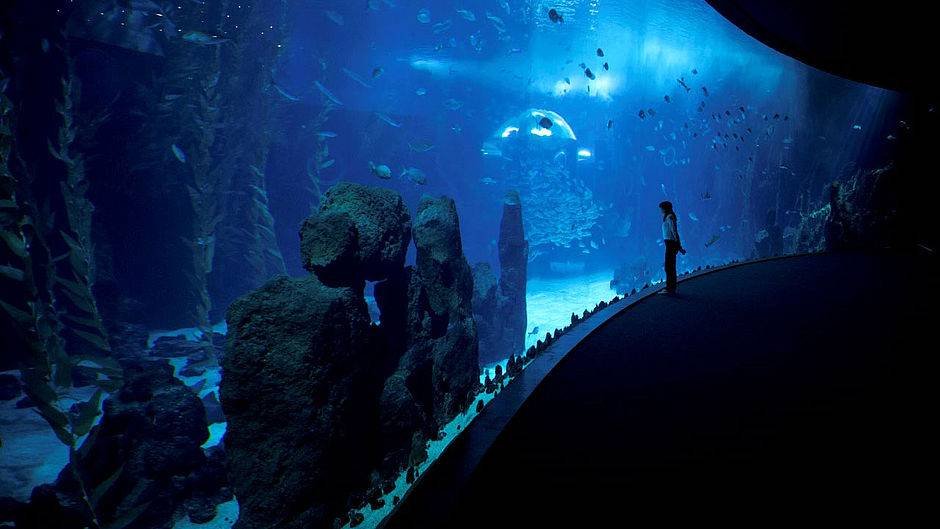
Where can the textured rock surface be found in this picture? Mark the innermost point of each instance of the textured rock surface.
(299, 392)
(501, 313)
(144, 459)
(360, 233)
(438, 372)
(513, 259)
(9, 387)
(484, 309)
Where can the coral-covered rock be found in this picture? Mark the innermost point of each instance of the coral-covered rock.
(299, 392)
(360, 233)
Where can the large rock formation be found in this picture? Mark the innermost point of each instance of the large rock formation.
(862, 212)
(438, 372)
(299, 391)
(360, 233)
(501, 314)
(142, 465)
(513, 258)
(485, 288)
(317, 397)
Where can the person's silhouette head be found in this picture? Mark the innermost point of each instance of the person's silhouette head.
(666, 207)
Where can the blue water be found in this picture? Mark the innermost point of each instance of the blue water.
(590, 203)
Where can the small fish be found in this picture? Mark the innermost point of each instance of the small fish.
(890, 137)
(545, 123)
(335, 17)
(420, 145)
(555, 17)
(284, 94)
(589, 74)
(326, 134)
(329, 95)
(582, 65)
(856, 127)
(487, 181)
(568, 81)
(705, 91)
(663, 188)
(534, 331)
(424, 16)
(198, 37)
(725, 228)
(326, 164)
(712, 240)
(415, 175)
(388, 120)
(650, 148)
(352, 75)
(497, 22)
(642, 114)
(610, 123)
(377, 71)
(666, 98)
(381, 171)
(600, 52)
(441, 27)
(606, 67)
(693, 216)
(467, 14)
(681, 81)
(453, 104)
(694, 71)
(421, 91)
(178, 153)
(651, 112)
(706, 195)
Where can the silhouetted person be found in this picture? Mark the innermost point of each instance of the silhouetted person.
(673, 245)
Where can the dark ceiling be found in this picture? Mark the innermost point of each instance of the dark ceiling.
(887, 44)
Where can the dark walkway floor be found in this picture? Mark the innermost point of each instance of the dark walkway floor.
(800, 389)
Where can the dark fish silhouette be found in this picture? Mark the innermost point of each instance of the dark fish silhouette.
(610, 123)
(600, 52)
(666, 98)
(606, 66)
(554, 16)
(642, 114)
(589, 74)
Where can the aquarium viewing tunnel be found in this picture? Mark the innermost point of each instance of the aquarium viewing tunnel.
(298, 264)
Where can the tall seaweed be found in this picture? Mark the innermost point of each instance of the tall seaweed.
(248, 252)
(75, 268)
(47, 311)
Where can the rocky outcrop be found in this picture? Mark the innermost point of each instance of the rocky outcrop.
(437, 374)
(501, 314)
(360, 233)
(298, 390)
(440, 309)
(513, 258)
(484, 309)
(862, 212)
(142, 465)
(317, 397)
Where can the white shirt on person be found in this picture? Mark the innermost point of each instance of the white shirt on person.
(670, 230)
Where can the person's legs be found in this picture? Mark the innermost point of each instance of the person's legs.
(672, 249)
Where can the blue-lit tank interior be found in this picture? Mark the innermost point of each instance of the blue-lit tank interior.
(468, 179)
